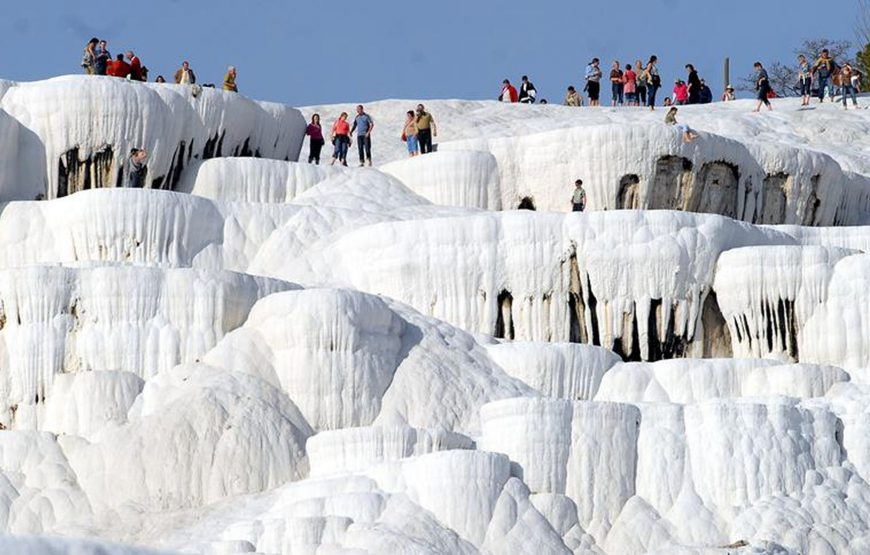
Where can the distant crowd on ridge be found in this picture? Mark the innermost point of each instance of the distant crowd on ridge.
(635, 84)
(97, 60)
(639, 84)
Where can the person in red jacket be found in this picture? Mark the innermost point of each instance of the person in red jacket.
(120, 68)
(135, 66)
(508, 92)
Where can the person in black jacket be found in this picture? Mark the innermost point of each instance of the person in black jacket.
(694, 83)
(706, 96)
(527, 91)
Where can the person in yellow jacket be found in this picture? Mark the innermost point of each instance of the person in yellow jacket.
(230, 80)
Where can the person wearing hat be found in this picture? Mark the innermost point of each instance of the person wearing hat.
(728, 95)
(593, 81)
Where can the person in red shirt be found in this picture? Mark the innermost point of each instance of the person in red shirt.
(120, 68)
(681, 92)
(135, 66)
(508, 92)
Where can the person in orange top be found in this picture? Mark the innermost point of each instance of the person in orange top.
(119, 67)
(341, 139)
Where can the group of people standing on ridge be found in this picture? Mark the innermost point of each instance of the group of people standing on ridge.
(827, 74)
(97, 60)
(417, 134)
(639, 84)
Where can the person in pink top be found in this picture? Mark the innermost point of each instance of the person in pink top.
(629, 80)
(316, 142)
(681, 92)
(341, 139)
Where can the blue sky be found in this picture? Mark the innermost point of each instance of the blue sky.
(344, 51)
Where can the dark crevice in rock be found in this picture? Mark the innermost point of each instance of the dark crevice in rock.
(504, 324)
(527, 203)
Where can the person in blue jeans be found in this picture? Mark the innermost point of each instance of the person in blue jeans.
(848, 87)
(654, 81)
(824, 68)
(363, 124)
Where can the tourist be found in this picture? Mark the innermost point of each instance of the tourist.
(653, 81)
(160, 79)
(137, 72)
(706, 93)
(363, 125)
(508, 92)
(138, 169)
(694, 85)
(824, 68)
(573, 98)
(728, 95)
(593, 81)
(120, 68)
(847, 74)
(101, 58)
(688, 133)
(578, 199)
(616, 84)
(409, 134)
(426, 129)
(668, 102)
(185, 75)
(805, 79)
(527, 91)
(681, 92)
(640, 83)
(230, 80)
(762, 85)
(629, 80)
(316, 142)
(89, 56)
(341, 139)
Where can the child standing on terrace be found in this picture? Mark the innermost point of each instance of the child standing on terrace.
(578, 199)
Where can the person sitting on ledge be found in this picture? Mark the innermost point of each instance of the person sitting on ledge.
(688, 133)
